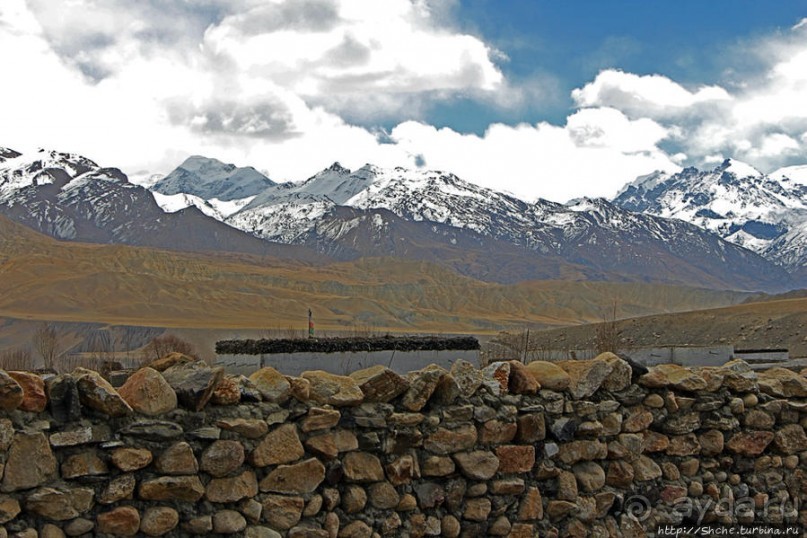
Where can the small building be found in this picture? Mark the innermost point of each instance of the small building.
(682, 355)
(344, 355)
(762, 356)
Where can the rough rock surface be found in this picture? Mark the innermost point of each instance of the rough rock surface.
(511, 450)
(148, 393)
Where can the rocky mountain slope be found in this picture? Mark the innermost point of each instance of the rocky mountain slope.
(766, 214)
(593, 234)
(411, 214)
(210, 178)
(70, 197)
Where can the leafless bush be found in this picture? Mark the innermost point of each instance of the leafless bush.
(49, 342)
(607, 333)
(510, 346)
(161, 346)
(16, 359)
(363, 331)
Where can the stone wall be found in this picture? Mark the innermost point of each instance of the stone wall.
(589, 448)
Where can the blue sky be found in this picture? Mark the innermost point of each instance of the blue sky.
(552, 99)
(568, 43)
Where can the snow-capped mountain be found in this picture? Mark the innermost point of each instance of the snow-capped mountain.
(593, 233)
(733, 200)
(426, 215)
(72, 198)
(797, 174)
(209, 178)
(285, 213)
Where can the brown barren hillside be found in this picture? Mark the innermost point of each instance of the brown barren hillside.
(41, 278)
(759, 325)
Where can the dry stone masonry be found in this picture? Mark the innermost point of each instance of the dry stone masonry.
(578, 448)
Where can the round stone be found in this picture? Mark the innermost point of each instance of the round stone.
(159, 520)
(228, 522)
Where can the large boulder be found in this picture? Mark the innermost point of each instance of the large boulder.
(63, 398)
(11, 394)
(172, 359)
(194, 383)
(379, 383)
(147, 392)
(549, 375)
(619, 376)
(303, 477)
(273, 386)
(172, 488)
(467, 376)
(521, 379)
(422, 385)
(228, 392)
(675, 376)
(752, 443)
(281, 445)
(34, 398)
(177, 459)
(59, 504)
(332, 389)
(30, 462)
(782, 383)
(586, 376)
(791, 439)
(96, 393)
(120, 521)
(496, 377)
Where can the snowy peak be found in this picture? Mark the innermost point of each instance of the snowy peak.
(209, 178)
(18, 171)
(734, 200)
(337, 169)
(336, 183)
(738, 169)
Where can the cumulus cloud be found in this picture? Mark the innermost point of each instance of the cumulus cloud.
(654, 96)
(590, 156)
(288, 86)
(358, 57)
(759, 116)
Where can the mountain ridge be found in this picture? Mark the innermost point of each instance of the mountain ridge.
(438, 218)
(210, 178)
(72, 198)
(764, 213)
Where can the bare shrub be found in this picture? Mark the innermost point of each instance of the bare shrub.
(49, 342)
(363, 331)
(161, 346)
(607, 333)
(16, 359)
(510, 346)
(292, 333)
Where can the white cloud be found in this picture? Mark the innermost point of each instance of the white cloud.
(760, 118)
(653, 96)
(278, 84)
(361, 57)
(591, 156)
